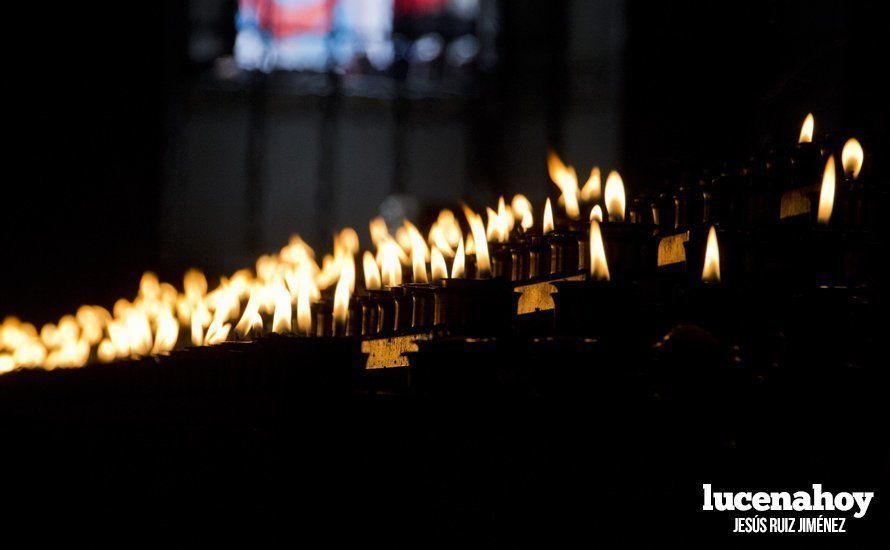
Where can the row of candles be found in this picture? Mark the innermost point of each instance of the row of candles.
(290, 293)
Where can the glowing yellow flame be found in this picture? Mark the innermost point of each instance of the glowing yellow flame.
(379, 231)
(593, 188)
(457, 268)
(548, 217)
(567, 180)
(806, 129)
(527, 220)
(251, 323)
(599, 267)
(418, 260)
(711, 270)
(166, 333)
(282, 318)
(342, 294)
(852, 157)
(520, 205)
(106, 352)
(305, 286)
(438, 267)
(195, 285)
(483, 264)
(217, 334)
(596, 213)
(391, 267)
(491, 228)
(615, 197)
(7, 363)
(826, 195)
(438, 239)
(372, 272)
(450, 227)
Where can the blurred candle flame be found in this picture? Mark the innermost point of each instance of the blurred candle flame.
(852, 157)
(483, 264)
(567, 180)
(371, 270)
(615, 199)
(457, 268)
(593, 187)
(305, 287)
(418, 260)
(438, 268)
(599, 267)
(826, 195)
(547, 224)
(806, 129)
(282, 318)
(596, 213)
(711, 269)
(342, 294)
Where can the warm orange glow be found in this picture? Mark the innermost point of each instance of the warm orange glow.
(483, 264)
(852, 157)
(418, 260)
(305, 295)
(342, 294)
(282, 318)
(806, 129)
(615, 199)
(390, 266)
(711, 270)
(505, 219)
(567, 180)
(217, 334)
(195, 285)
(826, 195)
(547, 225)
(166, 333)
(527, 221)
(520, 205)
(251, 323)
(593, 188)
(599, 267)
(438, 268)
(439, 241)
(457, 268)
(596, 213)
(372, 272)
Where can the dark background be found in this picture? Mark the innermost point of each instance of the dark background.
(130, 147)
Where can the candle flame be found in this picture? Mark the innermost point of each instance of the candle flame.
(599, 267)
(418, 258)
(342, 293)
(251, 323)
(457, 268)
(596, 213)
(520, 206)
(483, 264)
(806, 129)
(371, 270)
(547, 225)
(593, 188)
(306, 292)
(852, 157)
(391, 267)
(615, 199)
(527, 220)
(438, 268)
(711, 270)
(281, 319)
(567, 180)
(826, 195)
